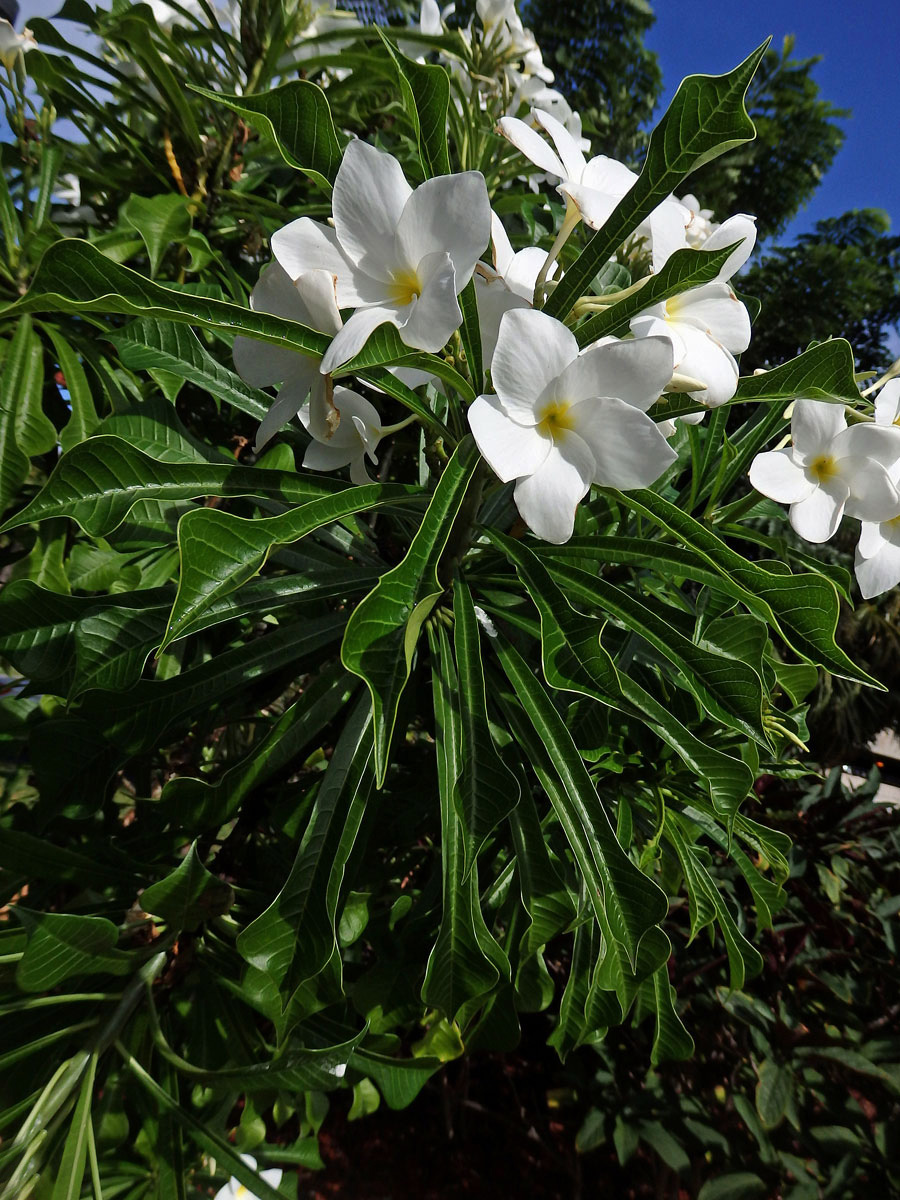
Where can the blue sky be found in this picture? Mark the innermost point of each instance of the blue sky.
(860, 46)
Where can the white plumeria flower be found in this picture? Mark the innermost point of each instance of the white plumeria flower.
(237, 1191)
(592, 188)
(562, 420)
(349, 441)
(311, 300)
(492, 12)
(400, 257)
(508, 285)
(877, 563)
(13, 44)
(830, 470)
(887, 404)
(707, 326)
(701, 225)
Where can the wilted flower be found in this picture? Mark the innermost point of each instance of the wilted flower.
(562, 420)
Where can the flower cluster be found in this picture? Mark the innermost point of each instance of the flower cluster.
(832, 470)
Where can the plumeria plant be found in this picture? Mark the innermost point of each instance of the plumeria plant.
(392, 644)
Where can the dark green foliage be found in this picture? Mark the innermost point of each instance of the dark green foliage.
(841, 280)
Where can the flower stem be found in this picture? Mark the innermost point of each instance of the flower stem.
(571, 219)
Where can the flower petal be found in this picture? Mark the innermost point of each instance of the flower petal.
(448, 214)
(817, 517)
(604, 174)
(370, 193)
(351, 339)
(287, 403)
(594, 206)
(532, 350)
(635, 372)
(547, 499)
(716, 310)
(493, 298)
(532, 145)
(775, 474)
(887, 403)
(501, 246)
(566, 147)
(881, 443)
(668, 230)
(880, 571)
(814, 425)
(629, 450)
(305, 245)
(521, 274)
(707, 360)
(733, 230)
(873, 497)
(511, 449)
(261, 363)
(434, 315)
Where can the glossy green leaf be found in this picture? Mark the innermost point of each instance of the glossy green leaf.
(684, 269)
(802, 608)
(465, 962)
(671, 1042)
(425, 91)
(824, 372)
(24, 429)
(383, 629)
(70, 1175)
(619, 893)
(294, 937)
(98, 481)
(485, 790)
(84, 420)
(297, 119)
(162, 221)
(773, 1091)
(61, 945)
(707, 116)
(470, 333)
(546, 898)
(220, 551)
(189, 896)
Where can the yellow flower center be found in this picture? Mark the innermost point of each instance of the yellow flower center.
(823, 468)
(557, 418)
(405, 287)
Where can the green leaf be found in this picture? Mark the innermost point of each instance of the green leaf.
(133, 28)
(297, 119)
(425, 92)
(295, 935)
(824, 372)
(773, 1092)
(620, 894)
(100, 480)
(162, 221)
(707, 116)
(804, 608)
(683, 270)
(575, 660)
(61, 945)
(399, 1079)
(739, 1185)
(485, 790)
(465, 963)
(74, 1156)
(547, 900)
(149, 344)
(383, 629)
(189, 896)
(672, 1042)
(220, 551)
(84, 419)
(24, 429)
(470, 332)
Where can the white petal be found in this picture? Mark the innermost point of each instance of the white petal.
(493, 298)
(547, 499)
(322, 456)
(370, 192)
(272, 1176)
(450, 213)
(521, 274)
(566, 147)
(261, 363)
(594, 206)
(305, 245)
(501, 245)
(287, 404)
(716, 310)
(873, 535)
(872, 495)
(706, 359)
(512, 450)
(879, 572)
(635, 372)
(733, 230)
(434, 315)
(814, 424)
(317, 291)
(430, 18)
(881, 443)
(817, 517)
(668, 231)
(887, 403)
(532, 145)
(351, 339)
(604, 174)
(776, 475)
(532, 350)
(629, 450)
